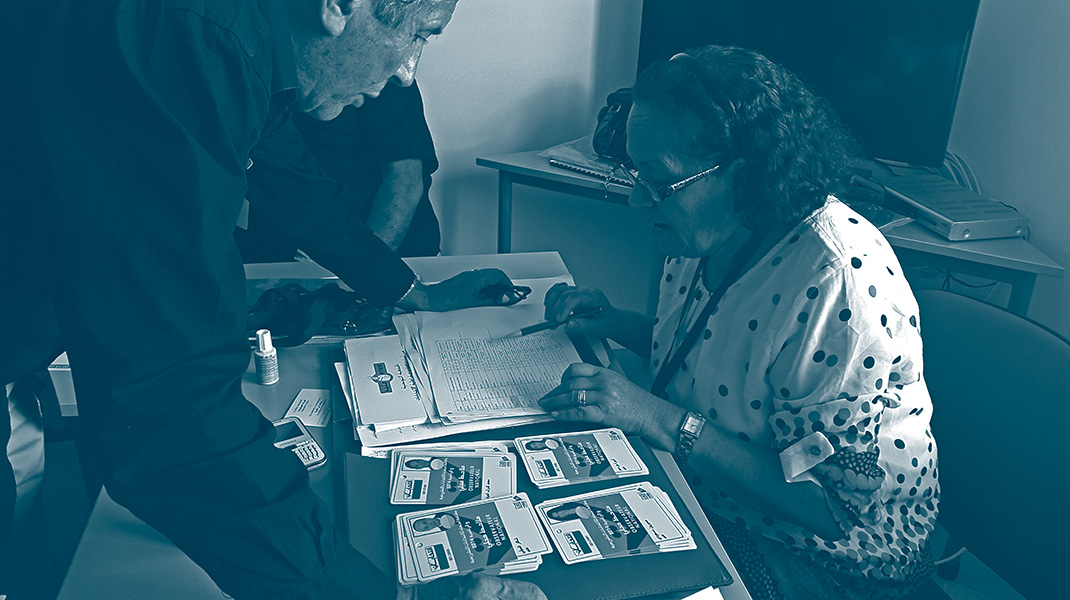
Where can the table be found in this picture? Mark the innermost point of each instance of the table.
(1011, 260)
(120, 557)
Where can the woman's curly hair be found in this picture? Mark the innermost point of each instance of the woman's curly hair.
(743, 105)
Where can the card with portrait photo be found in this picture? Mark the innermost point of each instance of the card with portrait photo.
(571, 458)
(444, 478)
(491, 536)
(623, 521)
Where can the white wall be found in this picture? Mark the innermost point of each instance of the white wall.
(1012, 125)
(511, 75)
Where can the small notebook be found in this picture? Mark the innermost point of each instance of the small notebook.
(578, 156)
(590, 172)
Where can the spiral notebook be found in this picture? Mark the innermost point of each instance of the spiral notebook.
(578, 156)
(590, 172)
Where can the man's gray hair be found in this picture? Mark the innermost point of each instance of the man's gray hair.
(393, 13)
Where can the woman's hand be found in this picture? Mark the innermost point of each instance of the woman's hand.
(597, 395)
(562, 300)
(628, 328)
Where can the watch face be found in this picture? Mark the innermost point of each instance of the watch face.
(692, 425)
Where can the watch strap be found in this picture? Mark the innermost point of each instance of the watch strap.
(690, 429)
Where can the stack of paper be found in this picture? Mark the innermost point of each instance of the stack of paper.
(451, 474)
(455, 372)
(496, 537)
(382, 383)
(570, 458)
(623, 521)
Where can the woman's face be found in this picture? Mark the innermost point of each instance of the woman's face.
(699, 220)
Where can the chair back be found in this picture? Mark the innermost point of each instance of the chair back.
(1000, 386)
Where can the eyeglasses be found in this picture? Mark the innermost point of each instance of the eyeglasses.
(661, 193)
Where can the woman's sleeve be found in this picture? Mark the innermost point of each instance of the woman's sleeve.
(844, 354)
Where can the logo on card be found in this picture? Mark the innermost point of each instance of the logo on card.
(546, 468)
(413, 489)
(577, 543)
(437, 559)
(383, 378)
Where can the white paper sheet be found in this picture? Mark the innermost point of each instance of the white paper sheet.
(476, 373)
(312, 407)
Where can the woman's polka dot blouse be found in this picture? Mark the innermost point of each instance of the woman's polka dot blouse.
(815, 353)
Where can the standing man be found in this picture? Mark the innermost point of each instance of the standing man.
(134, 122)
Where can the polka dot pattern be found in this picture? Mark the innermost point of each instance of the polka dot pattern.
(803, 350)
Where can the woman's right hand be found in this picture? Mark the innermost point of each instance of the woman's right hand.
(563, 299)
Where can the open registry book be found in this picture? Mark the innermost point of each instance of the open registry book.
(455, 372)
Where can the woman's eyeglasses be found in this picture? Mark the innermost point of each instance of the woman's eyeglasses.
(660, 193)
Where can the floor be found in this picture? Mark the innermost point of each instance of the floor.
(65, 501)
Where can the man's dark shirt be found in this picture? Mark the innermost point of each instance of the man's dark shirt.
(133, 123)
(353, 148)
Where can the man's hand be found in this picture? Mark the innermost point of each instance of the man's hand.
(472, 587)
(463, 290)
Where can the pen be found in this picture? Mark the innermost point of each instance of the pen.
(590, 312)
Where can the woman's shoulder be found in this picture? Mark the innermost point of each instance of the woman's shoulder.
(842, 229)
(835, 247)
(833, 237)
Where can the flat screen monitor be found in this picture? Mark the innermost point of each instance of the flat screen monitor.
(890, 68)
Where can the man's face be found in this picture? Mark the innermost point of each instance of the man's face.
(357, 63)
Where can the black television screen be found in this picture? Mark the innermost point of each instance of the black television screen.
(890, 68)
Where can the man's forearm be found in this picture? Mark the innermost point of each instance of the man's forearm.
(396, 200)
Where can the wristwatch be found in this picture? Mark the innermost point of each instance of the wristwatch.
(690, 429)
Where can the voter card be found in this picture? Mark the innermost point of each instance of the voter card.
(611, 523)
(484, 535)
(499, 447)
(443, 478)
(603, 524)
(407, 567)
(665, 501)
(580, 457)
(404, 556)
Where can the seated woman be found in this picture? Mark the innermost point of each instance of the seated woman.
(785, 350)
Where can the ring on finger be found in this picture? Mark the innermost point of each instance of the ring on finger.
(581, 397)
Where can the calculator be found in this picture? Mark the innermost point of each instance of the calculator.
(290, 433)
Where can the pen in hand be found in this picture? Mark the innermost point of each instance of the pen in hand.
(582, 314)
